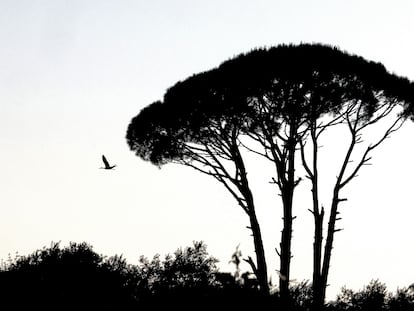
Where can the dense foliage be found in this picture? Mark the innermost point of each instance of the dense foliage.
(70, 278)
(77, 278)
(374, 297)
(301, 82)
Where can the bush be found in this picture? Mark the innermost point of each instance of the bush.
(374, 297)
(403, 300)
(71, 278)
(77, 278)
(190, 270)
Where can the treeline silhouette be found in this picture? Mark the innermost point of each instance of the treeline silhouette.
(77, 278)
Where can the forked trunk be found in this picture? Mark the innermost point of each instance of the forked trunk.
(329, 243)
(318, 298)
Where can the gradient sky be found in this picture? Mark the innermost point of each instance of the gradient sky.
(74, 73)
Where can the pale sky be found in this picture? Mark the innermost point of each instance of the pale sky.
(74, 73)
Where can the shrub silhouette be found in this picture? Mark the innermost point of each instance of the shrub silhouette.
(371, 297)
(403, 300)
(71, 278)
(188, 280)
(77, 278)
(374, 297)
(190, 270)
(301, 296)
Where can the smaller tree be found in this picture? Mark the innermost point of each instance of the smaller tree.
(184, 280)
(371, 297)
(188, 268)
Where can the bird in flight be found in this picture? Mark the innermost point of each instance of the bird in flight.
(107, 166)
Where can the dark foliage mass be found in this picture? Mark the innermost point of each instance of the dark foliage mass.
(229, 94)
(70, 278)
(374, 297)
(77, 278)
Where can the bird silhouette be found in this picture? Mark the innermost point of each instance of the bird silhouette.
(107, 166)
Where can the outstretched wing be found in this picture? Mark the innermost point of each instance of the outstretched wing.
(105, 161)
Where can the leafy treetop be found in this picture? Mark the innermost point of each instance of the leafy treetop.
(265, 87)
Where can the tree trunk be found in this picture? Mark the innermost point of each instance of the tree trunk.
(329, 242)
(287, 197)
(261, 269)
(285, 249)
(318, 217)
(318, 299)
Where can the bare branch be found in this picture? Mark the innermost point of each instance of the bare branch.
(258, 138)
(335, 121)
(296, 183)
(398, 123)
(394, 127)
(252, 265)
(222, 178)
(218, 171)
(274, 147)
(276, 182)
(389, 106)
(265, 155)
(277, 252)
(304, 162)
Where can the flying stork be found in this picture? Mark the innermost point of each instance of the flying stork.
(107, 166)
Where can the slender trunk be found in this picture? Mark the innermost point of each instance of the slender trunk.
(333, 215)
(318, 298)
(287, 197)
(329, 241)
(285, 246)
(318, 216)
(261, 270)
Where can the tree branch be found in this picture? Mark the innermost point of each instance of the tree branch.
(394, 127)
(304, 162)
(252, 265)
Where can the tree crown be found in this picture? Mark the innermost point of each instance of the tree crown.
(264, 87)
